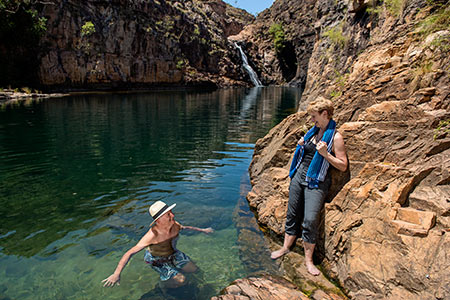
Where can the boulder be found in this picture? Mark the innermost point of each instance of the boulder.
(264, 287)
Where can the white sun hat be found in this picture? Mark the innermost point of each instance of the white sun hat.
(158, 209)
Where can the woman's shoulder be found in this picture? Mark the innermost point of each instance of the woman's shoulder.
(338, 136)
(338, 143)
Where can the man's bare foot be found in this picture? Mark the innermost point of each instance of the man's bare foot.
(312, 268)
(279, 253)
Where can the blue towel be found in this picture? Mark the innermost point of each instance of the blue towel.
(318, 168)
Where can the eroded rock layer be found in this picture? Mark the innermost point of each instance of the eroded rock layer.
(129, 43)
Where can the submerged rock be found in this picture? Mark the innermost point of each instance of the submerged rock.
(254, 249)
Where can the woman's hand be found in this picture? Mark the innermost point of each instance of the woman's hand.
(339, 160)
(322, 148)
(112, 280)
(301, 141)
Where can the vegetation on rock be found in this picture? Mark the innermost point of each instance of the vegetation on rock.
(395, 7)
(87, 29)
(278, 36)
(437, 21)
(442, 130)
(336, 36)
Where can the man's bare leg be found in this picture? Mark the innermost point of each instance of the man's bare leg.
(288, 241)
(309, 250)
(174, 282)
(190, 267)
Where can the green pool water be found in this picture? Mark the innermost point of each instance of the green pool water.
(77, 175)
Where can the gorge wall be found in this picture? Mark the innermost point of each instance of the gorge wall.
(126, 44)
(386, 67)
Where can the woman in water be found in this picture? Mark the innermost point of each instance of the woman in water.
(321, 146)
(161, 253)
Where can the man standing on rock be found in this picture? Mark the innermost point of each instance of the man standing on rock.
(310, 180)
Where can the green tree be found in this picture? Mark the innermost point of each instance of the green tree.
(278, 36)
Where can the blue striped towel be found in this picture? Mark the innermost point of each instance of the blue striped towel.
(319, 166)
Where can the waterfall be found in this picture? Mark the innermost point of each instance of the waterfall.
(250, 71)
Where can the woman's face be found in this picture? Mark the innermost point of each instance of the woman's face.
(319, 119)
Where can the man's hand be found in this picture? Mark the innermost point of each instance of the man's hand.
(112, 280)
(208, 230)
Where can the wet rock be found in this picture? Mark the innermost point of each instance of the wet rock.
(15, 270)
(204, 217)
(294, 267)
(10, 95)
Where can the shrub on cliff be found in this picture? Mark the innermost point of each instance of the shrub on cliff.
(87, 29)
(278, 36)
(395, 7)
(336, 36)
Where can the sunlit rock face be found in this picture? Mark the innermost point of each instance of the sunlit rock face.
(386, 229)
(98, 44)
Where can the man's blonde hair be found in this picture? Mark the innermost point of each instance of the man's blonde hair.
(321, 104)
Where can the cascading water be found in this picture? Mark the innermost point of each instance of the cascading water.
(250, 71)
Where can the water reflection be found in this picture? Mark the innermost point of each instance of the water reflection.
(78, 174)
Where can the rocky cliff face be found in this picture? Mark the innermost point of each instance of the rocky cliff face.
(386, 68)
(131, 43)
